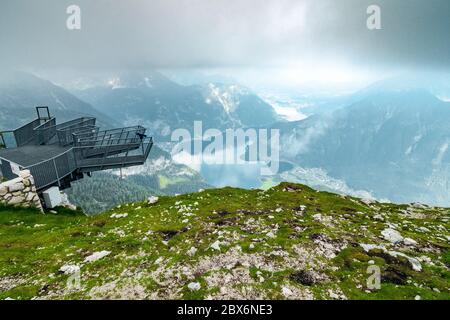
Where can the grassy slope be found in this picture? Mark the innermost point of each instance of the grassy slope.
(266, 242)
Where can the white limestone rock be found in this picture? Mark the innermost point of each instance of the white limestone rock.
(191, 252)
(69, 269)
(97, 256)
(415, 264)
(367, 247)
(152, 200)
(119, 215)
(270, 234)
(409, 242)
(286, 292)
(216, 245)
(392, 235)
(194, 286)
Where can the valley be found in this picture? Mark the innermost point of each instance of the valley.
(387, 141)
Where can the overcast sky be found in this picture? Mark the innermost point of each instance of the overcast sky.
(226, 33)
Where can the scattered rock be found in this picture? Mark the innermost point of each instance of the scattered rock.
(367, 201)
(194, 286)
(336, 294)
(69, 269)
(286, 292)
(409, 242)
(97, 256)
(271, 235)
(369, 247)
(378, 217)
(392, 235)
(152, 200)
(424, 229)
(413, 261)
(119, 215)
(191, 252)
(216, 245)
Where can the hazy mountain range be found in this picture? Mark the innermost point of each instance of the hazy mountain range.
(389, 140)
(164, 105)
(20, 92)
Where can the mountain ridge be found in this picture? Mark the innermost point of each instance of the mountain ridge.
(288, 242)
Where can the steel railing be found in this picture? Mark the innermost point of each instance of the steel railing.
(25, 134)
(87, 134)
(53, 171)
(45, 132)
(41, 131)
(22, 135)
(120, 133)
(7, 139)
(65, 132)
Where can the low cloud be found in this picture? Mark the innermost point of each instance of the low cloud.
(224, 33)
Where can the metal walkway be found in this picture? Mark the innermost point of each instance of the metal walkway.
(57, 154)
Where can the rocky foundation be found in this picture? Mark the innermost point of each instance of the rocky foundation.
(20, 191)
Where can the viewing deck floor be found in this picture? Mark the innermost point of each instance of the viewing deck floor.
(32, 154)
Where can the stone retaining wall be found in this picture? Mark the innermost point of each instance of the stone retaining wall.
(20, 191)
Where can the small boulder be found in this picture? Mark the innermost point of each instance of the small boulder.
(69, 269)
(409, 242)
(152, 200)
(97, 256)
(216, 245)
(191, 252)
(270, 234)
(194, 286)
(392, 235)
(415, 263)
(286, 292)
(119, 215)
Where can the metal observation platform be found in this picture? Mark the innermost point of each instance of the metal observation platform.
(57, 154)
